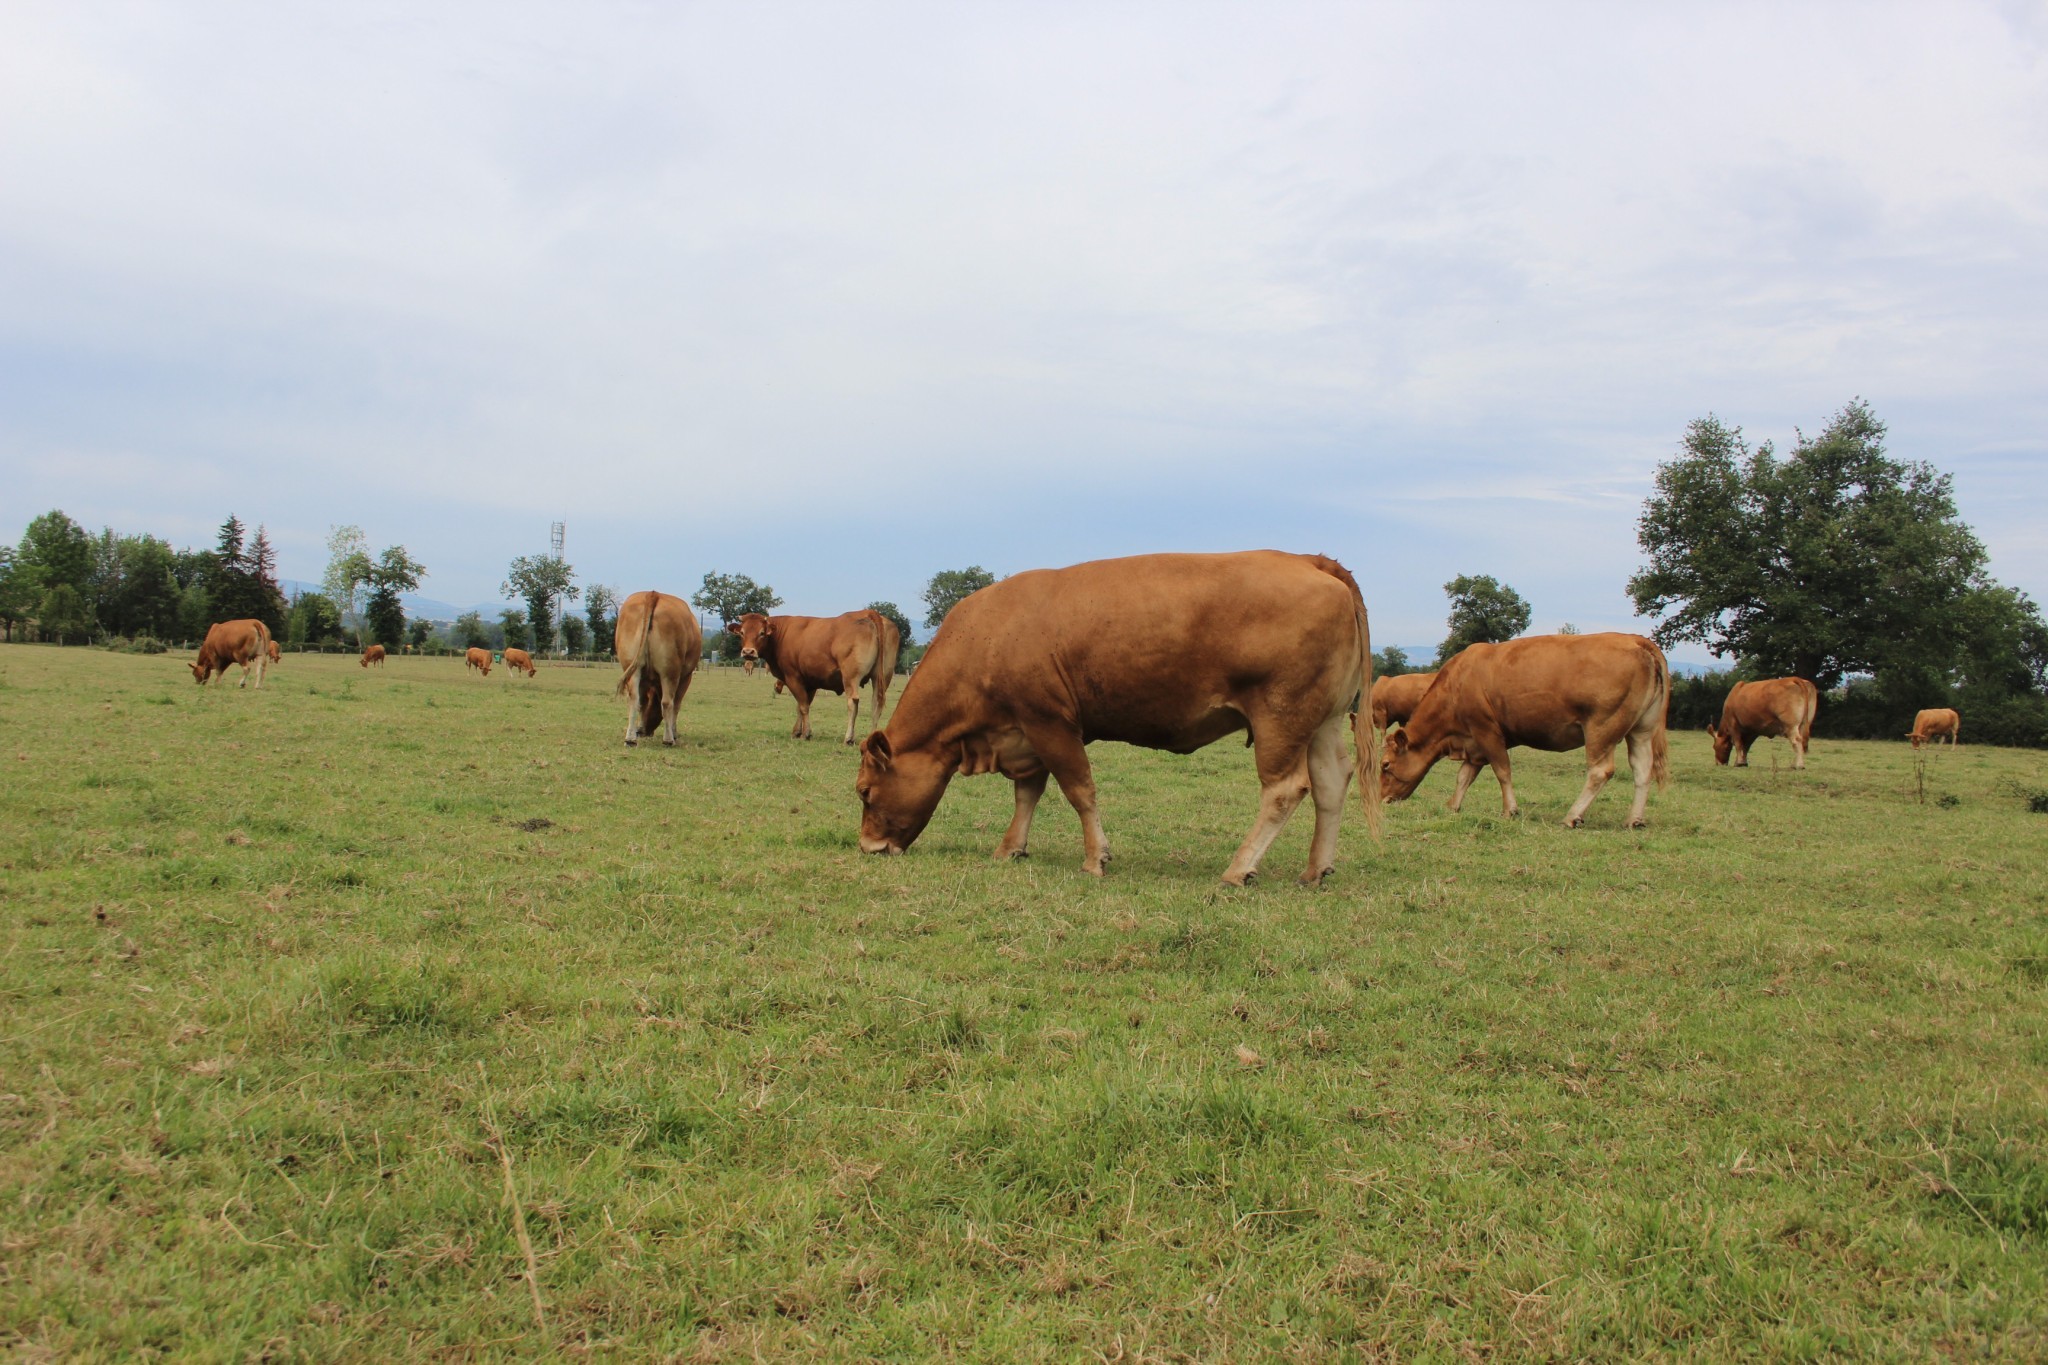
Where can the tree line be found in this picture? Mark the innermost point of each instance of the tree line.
(1832, 562)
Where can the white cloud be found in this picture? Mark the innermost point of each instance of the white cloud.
(1418, 285)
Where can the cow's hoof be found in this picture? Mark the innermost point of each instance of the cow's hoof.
(1639, 824)
(1316, 878)
(668, 744)
(1097, 868)
(1012, 855)
(1246, 880)
(1575, 824)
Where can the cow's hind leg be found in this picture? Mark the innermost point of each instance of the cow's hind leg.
(1283, 781)
(633, 704)
(1017, 838)
(1329, 778)
(1639, 763)
(1599, 767)
(852, 708)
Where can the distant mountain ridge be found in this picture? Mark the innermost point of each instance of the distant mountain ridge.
(432, 608)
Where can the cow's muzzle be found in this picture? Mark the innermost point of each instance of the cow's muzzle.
(882, 846)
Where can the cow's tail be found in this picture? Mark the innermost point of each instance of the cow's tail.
(1364, 739)
(1811, 695)
(1660, 739)
(629, 676)
(888, 644)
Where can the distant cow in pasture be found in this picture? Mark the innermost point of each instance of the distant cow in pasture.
(519, 661)
(276, 654)
(1394, 699)
(1553, 692)
(479, 659)
(1784, 707)
(245, 642)
(812, 654)
(659, 642)
(372, 654)
(1167, 651)
(1930, 725)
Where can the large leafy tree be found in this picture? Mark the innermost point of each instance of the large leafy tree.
(1831, 560)
(601, 608)
(948, 586)
(17, 590)
(1484, 610)
(349, 568)
(394, 572)
(471, 630)
(141, 596)
(726, 597)
(540, 581)
(56, 549)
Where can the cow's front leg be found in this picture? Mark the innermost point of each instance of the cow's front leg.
(1505, 775)
(1017, 838)
(1467, 772)
(802, 728)
(1066, 758)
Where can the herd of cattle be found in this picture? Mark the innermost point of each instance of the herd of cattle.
(1175, 651)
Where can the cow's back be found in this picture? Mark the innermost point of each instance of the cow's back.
(1148, 649)
(1394, 699)
(1541, 691)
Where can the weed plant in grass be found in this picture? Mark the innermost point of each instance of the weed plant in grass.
(312, 998)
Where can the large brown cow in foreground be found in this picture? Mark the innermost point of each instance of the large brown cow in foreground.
(245, 642)
(1784, 707)
(479, 659)
(1555, 692)
(519, 661)
(658, 640)
(372, 654)
(1931, 724)
(1168, 651)
(813, 654)
(1394, 699)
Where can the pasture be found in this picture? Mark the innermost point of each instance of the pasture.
(330, 1013)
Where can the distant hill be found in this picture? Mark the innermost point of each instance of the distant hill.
(416, 606)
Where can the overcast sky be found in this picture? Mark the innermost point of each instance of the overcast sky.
(838, 295)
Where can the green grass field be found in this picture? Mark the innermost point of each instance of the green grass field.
(313, 998)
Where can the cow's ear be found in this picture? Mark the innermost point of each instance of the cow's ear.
(731, 629)
(1397, 743)
(875, 749)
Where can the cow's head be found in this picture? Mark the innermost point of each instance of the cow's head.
(1724, 743)
(1405, 766)
(755, 632)
(898, 792)
(202, 668)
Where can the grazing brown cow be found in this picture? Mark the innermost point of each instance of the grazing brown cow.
(519, 661)
(659, 641)
(1393, 699)
(813, 654)
(245, 642)
(276, 654)
(1930, 724)
(1784, 707)
(372, 654)
(1170, 651)
(479, 659)
(1555, 692)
